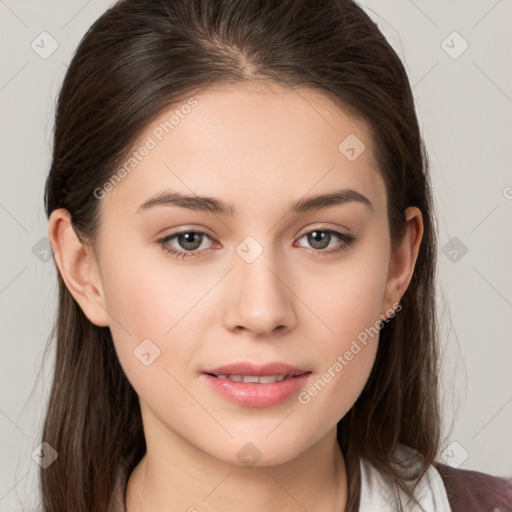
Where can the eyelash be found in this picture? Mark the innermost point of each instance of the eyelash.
(347, 239)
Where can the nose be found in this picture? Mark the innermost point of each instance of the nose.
(259, 298)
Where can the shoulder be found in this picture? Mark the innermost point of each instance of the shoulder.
(474, 491)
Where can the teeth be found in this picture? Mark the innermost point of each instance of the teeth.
(266, 379)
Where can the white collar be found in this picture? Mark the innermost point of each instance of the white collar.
(377, 495)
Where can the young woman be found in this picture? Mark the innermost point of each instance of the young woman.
(241, 217)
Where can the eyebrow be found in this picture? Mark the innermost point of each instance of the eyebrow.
(213, 205)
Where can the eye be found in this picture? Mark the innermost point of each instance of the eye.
(321, 239)
(189, 244)
(190, 241)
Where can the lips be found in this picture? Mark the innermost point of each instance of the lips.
(254, 379)
(253, 385)
(247, 369)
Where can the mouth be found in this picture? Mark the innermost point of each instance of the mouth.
(253, 385)
(252, 373)
(254, 379)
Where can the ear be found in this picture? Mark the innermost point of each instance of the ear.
(403, 259)
(78, 267)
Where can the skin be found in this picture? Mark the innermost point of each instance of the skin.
(259, 147)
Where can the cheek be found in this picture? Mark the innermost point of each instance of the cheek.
(347, 297)
(349, 303)
(143, 305)
(158, 328)
(347, 353)
(337, 387)
(147, 294)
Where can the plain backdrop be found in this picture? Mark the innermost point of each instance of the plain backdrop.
(458, 55)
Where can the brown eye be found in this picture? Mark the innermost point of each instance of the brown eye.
(185, 244)
(190, 240)
(321, 239)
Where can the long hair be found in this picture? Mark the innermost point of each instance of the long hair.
(137, 60)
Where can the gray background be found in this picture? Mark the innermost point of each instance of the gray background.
(464, 102)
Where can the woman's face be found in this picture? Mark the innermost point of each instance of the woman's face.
(267, 270)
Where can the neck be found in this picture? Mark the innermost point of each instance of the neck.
(183, 478)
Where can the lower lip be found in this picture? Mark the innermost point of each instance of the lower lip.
(255, 394)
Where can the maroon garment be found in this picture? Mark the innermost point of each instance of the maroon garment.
(472, 491)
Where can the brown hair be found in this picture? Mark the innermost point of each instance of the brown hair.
(138, 59)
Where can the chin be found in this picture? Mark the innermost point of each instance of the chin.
(258, 450)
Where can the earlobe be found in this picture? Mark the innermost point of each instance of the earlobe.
(78, 267)
(403, 259)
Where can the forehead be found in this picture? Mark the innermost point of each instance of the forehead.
(249, 141)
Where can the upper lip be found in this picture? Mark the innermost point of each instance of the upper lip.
(247, 368)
